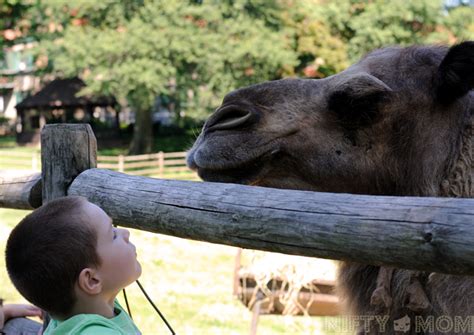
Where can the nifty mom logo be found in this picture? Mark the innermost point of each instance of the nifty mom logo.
(402, 325)
(405, 324)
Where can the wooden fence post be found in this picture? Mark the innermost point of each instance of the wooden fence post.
(121, 163)
(161, 164)
(34, 162)
(67, 150)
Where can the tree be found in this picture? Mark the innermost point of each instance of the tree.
(194, 52)
(320, 53)
(12, 21)
(367, 25)
(189, 51)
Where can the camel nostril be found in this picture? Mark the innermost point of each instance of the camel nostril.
(228, 118)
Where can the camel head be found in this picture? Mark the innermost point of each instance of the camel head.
(390, 124)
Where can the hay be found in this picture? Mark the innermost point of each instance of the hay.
(295, 273)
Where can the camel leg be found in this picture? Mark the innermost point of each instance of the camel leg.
(416, 299)
(382, 297)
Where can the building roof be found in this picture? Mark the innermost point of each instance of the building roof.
(61, 93)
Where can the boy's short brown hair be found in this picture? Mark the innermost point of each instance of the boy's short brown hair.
(46, 252)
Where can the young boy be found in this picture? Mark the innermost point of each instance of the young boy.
(67, 258)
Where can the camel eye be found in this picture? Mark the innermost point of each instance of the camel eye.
(357, 100)
(355, 111)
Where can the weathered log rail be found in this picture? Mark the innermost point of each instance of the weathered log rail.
(20, 190)
(432, 234)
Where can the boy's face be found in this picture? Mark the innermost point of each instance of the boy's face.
(119, 265)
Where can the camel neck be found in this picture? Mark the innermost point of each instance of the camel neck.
(460, 180)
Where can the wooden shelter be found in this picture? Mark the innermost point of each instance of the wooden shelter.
(58, 102)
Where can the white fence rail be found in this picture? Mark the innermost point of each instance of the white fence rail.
(160, 164)
(10, 159)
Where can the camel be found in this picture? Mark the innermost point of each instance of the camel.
(398, 122)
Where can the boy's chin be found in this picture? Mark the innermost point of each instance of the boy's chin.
(139, 270)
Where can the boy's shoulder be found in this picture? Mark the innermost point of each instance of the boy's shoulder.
(83, 324)
(93, 328)
(88, 324)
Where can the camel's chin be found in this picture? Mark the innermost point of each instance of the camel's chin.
(246, 174)
(229, 176)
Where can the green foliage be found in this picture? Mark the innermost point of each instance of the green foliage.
(461, 22)
(393, 23)
(191, 52)
(320, 53)
(367, 25)
(194, 52)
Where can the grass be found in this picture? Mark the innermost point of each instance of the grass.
(191, 282)
(7, 141)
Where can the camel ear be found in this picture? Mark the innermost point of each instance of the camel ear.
(456, 73)
(356, 99)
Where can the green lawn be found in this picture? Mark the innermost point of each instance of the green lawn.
(7, 141)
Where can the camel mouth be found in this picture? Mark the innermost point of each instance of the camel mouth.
(234, 176)
(246, 174)
(250, 169)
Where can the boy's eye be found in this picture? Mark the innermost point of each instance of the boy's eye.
(115, 234)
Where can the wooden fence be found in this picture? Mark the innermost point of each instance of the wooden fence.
(160, 164)
(20, 160)
(429, 234)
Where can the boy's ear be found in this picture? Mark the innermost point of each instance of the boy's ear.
(456, 73)
(89, 282)
(357, 98)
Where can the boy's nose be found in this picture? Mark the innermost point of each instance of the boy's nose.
(126, 234)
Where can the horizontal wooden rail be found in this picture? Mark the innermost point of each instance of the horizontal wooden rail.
(142, 157)
(141, 164)
(16, 161)
(19, 160)
(108, 158)
(174, 154)
(16, 154)
(19, 190)
(158, 165)
(171, 162)
(432, 234)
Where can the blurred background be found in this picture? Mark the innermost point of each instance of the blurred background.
(146, 74)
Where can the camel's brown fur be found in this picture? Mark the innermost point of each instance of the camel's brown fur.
(399, 122)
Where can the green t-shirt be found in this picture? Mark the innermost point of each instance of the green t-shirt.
(94, 324)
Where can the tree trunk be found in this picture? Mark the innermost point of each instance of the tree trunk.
(142, 141)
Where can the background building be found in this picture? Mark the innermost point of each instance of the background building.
(17, 81)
